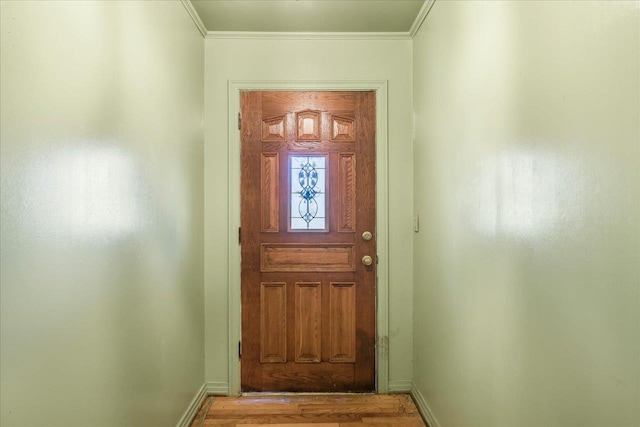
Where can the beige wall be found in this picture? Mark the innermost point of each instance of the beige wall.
(102, 213)
(526, 177)
(295, 60)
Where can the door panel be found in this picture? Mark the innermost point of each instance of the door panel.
(347, 192)
(328, 257)
(269, 192)
(343, 322)
(273, 323)
(308, 194)
(308, 322)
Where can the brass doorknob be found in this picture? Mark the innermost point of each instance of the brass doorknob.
(367, 260)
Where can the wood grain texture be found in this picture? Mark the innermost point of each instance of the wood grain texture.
(273, 322)
(307, 377)
(250, 204)
(341, 410)
(270, 197)
(275, 103)
(274, 129)
(347, 193)
(343, 322)
(323, 257)
(366, 220)
(308, 321)
(343, 129)
(304, 257)
(308, 125)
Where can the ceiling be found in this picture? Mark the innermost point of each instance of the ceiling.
(359, 16)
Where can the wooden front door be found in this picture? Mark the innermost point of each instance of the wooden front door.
(308, 219)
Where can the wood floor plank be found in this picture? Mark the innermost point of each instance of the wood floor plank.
(310, 410)
(291, 425)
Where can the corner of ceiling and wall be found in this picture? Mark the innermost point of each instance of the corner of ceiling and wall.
(409, 34)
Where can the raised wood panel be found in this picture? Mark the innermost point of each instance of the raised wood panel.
(308, 377)
(347, 192)
(300, 257)
(308, 125)
(274, 129)
(308, 309)
(273, 322)
(343, 322)
(270, 198)
(343, 129)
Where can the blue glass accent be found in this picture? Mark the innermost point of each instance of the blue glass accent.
(307, 191)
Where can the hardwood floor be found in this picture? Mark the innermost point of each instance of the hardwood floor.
(310, 410)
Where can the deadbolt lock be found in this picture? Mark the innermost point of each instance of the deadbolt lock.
(367, 236)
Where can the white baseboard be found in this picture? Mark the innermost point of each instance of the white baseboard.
(193, 408)
(218, 388)
(423, 407)
(400, 386)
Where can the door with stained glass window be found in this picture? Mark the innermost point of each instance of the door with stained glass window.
(308, 241)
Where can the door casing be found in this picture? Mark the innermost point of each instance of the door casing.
(382, 214)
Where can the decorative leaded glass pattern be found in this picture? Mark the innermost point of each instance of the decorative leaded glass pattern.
(308, 191)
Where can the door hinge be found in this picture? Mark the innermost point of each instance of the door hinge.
(239, 235)
(239, 121)
(239, 349)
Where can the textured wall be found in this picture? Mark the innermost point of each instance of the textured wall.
(290, 60)
(526, 166)
(102, 213)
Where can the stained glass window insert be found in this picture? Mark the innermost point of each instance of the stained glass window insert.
(308, 191)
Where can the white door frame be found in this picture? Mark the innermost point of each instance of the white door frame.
(382, 215)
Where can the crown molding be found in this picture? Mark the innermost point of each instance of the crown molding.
(195, 16)
(422, 15)
(264, 35)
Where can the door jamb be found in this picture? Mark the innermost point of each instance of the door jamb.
(382, 214)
